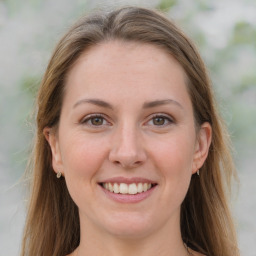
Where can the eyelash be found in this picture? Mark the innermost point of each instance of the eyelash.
(164, 117)
(89, 118)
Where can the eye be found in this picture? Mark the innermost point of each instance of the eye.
(95, 120)
(160, 120)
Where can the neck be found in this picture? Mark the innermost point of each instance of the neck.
(164, 242)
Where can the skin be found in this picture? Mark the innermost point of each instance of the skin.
(128, 141)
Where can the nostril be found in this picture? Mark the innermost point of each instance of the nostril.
(127, 152)
(127, 159)
(126, 164)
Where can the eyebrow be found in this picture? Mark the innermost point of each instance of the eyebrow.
(96, 102)
(150, 104)
(156, 103)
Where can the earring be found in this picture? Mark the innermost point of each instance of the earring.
(198, 172)
(58, 175)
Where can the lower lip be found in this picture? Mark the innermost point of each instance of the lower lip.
(126, 198)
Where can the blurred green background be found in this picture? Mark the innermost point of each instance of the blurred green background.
(223, 30)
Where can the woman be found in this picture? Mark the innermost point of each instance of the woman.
(126, 118)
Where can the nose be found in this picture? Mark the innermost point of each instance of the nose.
(127, 148)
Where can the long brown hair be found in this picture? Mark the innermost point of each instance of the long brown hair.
(52, 226)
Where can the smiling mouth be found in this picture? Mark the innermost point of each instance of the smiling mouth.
(130, 189)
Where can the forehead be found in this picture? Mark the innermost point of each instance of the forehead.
(126, 68)
(120, 51)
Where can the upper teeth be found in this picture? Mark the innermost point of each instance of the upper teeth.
(124, 188)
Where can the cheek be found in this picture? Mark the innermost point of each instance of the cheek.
(82, 156)
(173, 158)
(82, 159)
(175, 155)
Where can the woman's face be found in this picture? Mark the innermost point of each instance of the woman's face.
(127, 125)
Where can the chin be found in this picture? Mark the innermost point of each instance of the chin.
(130, 227)
(130, 233)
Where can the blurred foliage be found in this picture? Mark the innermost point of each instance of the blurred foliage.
(204, 5)
(14, 6)
(166, 5)
(29, 85)
(244, 33)
(247, 81)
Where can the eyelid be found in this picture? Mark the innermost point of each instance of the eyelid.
(87, 118)
(170, 119)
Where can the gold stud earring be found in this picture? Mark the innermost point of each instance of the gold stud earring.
(58, 175)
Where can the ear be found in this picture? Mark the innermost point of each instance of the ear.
(203, 143)
(52, 138)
